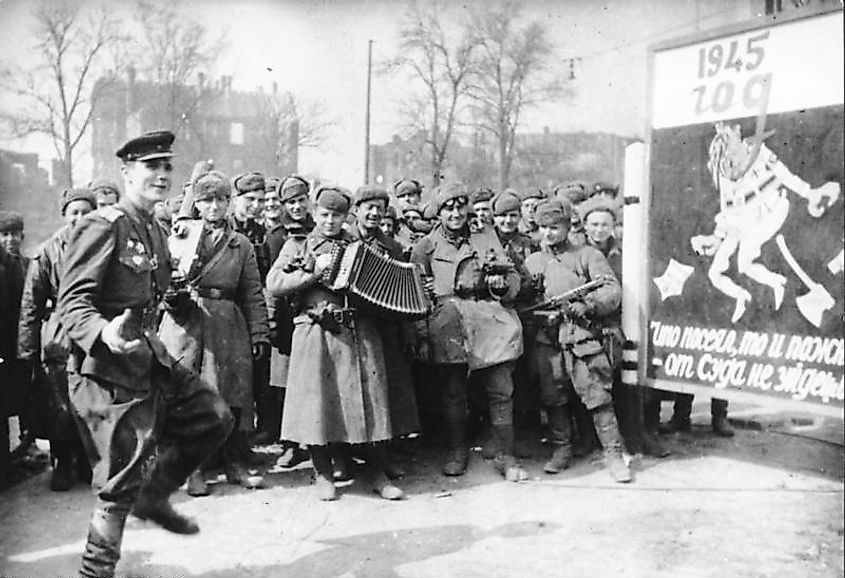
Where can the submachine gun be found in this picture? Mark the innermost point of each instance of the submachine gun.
(567, 296)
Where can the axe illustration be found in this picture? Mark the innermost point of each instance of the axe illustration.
(837, 264)
(817, 300)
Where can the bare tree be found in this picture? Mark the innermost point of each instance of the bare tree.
(172, 52)
(512, 74)
(58, 94)
(440, 64)
(289, 123)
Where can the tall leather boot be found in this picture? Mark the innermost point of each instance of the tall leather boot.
(608, 433)
(61, 480)
(719, 418)
(236, 471)
(153, 504)
(105, 535)
(560, 427)
(652, 446)
(627, 403)
(323, 472)
(680, 421)
(586, 439)
(505, 462)
(455, 421)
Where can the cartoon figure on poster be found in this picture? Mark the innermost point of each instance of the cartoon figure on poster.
(753, 190)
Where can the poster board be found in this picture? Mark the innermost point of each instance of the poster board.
(744, 214)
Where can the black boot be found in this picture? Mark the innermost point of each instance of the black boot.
(505, 462)
(680, 421)
(719, 416)
(586, 441)
(153, 504)
(323, 472)
(608, 433)
(61, 480)
(341, 462)
(105, 535)
(560, 436)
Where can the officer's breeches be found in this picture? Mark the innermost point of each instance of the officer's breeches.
(182, 415)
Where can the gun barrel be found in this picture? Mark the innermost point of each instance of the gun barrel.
(570, 295)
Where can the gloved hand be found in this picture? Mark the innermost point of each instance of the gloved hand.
(260, 351)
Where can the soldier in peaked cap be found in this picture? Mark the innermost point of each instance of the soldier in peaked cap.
(474, 281)
(568, 338)
(130, 393)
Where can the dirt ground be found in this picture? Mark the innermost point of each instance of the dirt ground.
(765, 503)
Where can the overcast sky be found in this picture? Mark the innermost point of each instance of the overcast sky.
(318, 49)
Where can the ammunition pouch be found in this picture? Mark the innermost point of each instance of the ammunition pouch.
(331, 319)
(613, 341)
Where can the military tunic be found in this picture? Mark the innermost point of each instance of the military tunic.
(587, 366)
(340, 391)
(117, 258)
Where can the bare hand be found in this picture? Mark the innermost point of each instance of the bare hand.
(112, 335)
(322, 262)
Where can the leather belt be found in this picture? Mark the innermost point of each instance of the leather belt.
(215, 293)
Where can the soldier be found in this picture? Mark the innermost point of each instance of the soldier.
(222, 324)
(412, 222)
(297, 223)
(599, 218)
(14, 371)
(370, 207)
(576, 193)
(388, 223)
(105, 191)
(49, 359)
(527, 225)
(471, 329)
(337, 359)
(568, 354)
(480, 207)
(13, 378)
(272, 205)
(131, 395)
(526, 394)
(246, 219)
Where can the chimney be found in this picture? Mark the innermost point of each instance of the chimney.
(201, 80)
(275, 87)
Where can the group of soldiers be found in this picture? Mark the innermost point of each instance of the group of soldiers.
(157, 367)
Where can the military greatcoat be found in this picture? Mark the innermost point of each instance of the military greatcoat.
(228, 316)
(340, 391)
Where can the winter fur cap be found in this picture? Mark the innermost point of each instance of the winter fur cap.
(11, 221)
(248, 182)
(370, 193)
(447, 192)
(553, 211)
(505, 202)
(71, 195)
(213, 184)
(334, 198)
(291, 187)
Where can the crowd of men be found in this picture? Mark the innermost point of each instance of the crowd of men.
(145, 370)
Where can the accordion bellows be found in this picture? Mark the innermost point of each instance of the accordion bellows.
(378, 282)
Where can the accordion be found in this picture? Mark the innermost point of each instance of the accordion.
(376, 282)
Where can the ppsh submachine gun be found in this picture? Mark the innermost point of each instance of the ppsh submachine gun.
(567, 296)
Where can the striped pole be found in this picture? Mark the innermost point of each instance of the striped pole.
(632, 245)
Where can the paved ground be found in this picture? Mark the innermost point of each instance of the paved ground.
(768, 502)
